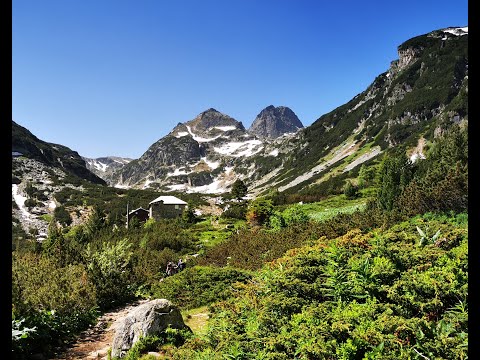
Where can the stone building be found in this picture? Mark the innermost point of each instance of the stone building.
(166, 207)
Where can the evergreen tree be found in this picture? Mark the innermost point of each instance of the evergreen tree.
(239, 189)
(395, 173)
(350, 190)
(259, 211)
(366, 176)
(188, 216)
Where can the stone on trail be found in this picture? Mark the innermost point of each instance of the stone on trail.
(147, 319)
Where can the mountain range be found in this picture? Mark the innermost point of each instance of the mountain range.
(421, 94)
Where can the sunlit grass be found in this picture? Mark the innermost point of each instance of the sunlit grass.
(328, 208)
(212, 232)
(196, 319)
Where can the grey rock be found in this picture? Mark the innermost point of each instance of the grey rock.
(273, 122)
(104, 167)
(147, 319)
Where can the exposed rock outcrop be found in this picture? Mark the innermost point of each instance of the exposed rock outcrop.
(147, 319)
(273, 122)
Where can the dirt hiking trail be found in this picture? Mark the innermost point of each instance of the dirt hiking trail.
(95, 342)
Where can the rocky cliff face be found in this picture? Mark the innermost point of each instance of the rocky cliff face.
(195, 156)
(54, 155)
(273, 122)
(105, 166)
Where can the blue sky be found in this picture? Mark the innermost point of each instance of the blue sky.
(111, 77)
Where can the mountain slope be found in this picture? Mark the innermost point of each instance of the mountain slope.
(273, 122)
(53, 155)
(422, 92)
(195, 156)
(419, 96)
(105, 166)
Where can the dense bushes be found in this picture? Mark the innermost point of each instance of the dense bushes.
(438, 183)
(56, 301)
(364, 295)
(58, 289)
(199, 285)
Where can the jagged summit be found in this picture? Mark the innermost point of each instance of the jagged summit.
(212, 118)
(273, 122)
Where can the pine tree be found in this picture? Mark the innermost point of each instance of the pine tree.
(239, 189)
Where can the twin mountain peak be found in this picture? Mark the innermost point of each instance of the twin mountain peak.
(271, 122)
(192, 154)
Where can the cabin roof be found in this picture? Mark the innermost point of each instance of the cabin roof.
(140, 208)
(169, 200)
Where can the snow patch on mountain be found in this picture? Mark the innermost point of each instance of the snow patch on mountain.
(459, 31)
(100, 166)
(20, 201)
(199, 138)
(181, 134)
(179, 171)
(219, 185)
(211, 164)
(237, 149)
(225, 128)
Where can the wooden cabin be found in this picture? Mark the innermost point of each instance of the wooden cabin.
(140, 214)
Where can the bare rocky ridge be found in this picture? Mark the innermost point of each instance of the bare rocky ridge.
(196, 156)
(46, 181)
(104, 167)
(273, 122)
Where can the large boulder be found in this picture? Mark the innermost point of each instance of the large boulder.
(147, 319)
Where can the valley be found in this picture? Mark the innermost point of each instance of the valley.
(345, 239)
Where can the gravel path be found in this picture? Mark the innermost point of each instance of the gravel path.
(95, 342)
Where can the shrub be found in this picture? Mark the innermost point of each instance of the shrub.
(62, 216)
(109, 269)
(259, 211)
(350, 190)
(199, 285)
(236, 211)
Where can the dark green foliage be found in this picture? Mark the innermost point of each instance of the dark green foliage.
(188, 215)
(441, 181)
(62, 216)
(259, 211)
(29, 203)
(109, 269)
(169, 336)
(394, 175)
(366, 176)
(236, 211)
(350, 190)
(363, 295)
(56, 300)
(239, 189)
(199, 285)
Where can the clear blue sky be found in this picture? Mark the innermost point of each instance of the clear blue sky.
(111, 77)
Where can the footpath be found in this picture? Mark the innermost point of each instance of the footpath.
(95, 342)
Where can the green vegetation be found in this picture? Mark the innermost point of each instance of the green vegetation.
(361, 295)
(334, 270)
(239, 189)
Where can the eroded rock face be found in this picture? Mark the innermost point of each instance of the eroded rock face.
(147, 319)
(273, 122)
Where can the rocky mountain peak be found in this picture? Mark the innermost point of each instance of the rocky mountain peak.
(273, 122)
(212, 118)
